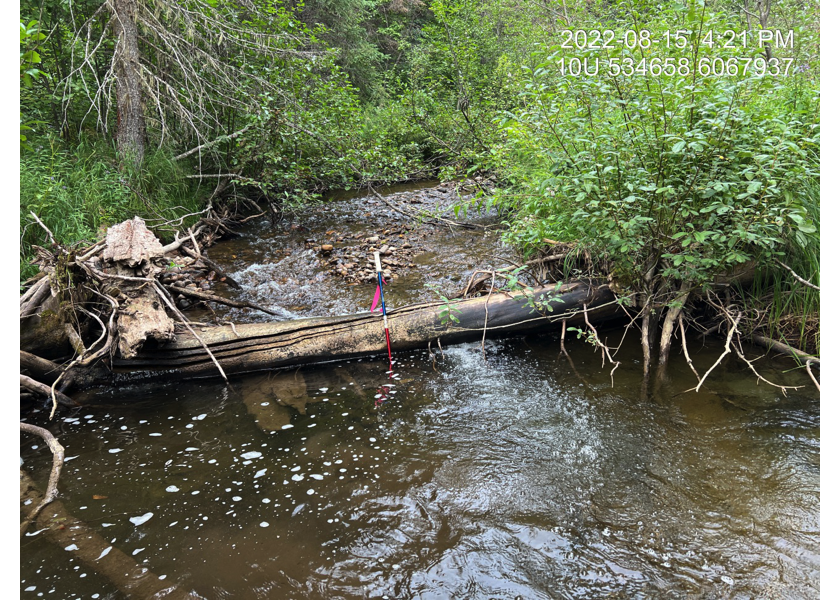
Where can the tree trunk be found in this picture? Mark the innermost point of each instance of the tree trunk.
(259, 346)
(131, 122)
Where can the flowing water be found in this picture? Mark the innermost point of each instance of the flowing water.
(525, 474)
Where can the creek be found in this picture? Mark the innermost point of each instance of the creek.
(522, 474)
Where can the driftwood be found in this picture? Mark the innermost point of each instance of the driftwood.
(258, 346)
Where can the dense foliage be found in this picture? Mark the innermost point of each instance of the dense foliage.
(668, 140)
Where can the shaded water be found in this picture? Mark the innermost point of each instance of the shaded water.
(522, 476)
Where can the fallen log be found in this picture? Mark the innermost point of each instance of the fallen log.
(260, 346)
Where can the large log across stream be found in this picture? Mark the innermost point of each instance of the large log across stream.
(259, 346)
(142, 335)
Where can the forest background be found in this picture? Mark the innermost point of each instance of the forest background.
(670, 143)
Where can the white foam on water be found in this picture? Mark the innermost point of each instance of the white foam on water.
(141, 519)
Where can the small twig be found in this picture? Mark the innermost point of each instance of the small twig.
(58, 461)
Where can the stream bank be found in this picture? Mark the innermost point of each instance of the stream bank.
(509, 471)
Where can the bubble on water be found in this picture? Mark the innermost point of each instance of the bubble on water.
(324, 389)
(137, 551)
(190, 425)
(295, 469)
(260, 473)
(264, 403)
(190, 449)
(69, 458)
(31, 588)
(172, 488)
(200, 417)
(143, 422)
(287, 426)
(266, 500)
(264, 524)
(115, 450)
(212, 461)
(350, 428)
(316, 476)
(372, 439)
(310, 491)
(252, 455)
(155, 434)
(141, 519)
(71, 547)
(297, 477)
(237, 498)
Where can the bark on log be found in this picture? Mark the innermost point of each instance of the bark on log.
(259, 346)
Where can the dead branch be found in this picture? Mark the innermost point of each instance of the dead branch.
(605, 351)
(783, 348)
(685, 348)
(206, 296)
(58, 461)
(162, 293)
(795, 276)
(811, 375)
(218, 140)
(487, 316)
(43, 369)
(726, 350)
(40, 388)
(219, 271)
(37, 294)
